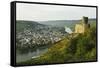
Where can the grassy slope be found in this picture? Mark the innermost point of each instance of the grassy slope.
(57, 49)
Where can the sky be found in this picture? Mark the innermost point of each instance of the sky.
(41, 12)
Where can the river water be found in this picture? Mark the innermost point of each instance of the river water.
(30, 55)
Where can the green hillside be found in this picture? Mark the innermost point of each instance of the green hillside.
(68, 23)
(21, 25)
(80, 47)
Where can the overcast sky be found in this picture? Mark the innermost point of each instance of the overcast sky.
(37, 12)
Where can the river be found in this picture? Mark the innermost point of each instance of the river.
(30, 55)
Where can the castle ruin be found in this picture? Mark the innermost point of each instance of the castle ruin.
(82, 26)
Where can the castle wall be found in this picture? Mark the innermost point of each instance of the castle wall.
(79, 28)
(83, 26)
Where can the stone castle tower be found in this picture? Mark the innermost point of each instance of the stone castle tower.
(83, 26)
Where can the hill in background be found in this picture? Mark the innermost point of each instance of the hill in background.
(62, 23)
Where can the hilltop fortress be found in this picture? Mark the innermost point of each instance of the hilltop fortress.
(82, 26)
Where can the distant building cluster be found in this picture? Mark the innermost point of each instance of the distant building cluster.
(42, 36)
